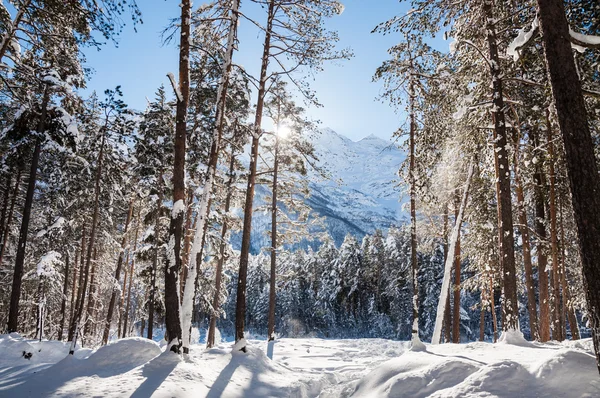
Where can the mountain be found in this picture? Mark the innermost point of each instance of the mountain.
(361, 195)
(367, 197)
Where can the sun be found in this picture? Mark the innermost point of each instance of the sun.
(283, 131)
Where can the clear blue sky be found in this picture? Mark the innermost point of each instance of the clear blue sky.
(140, 63)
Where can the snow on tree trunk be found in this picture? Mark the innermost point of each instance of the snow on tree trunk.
(173, 258)
(441, 307)
(510, 309)
(210, 339)
(189, 290)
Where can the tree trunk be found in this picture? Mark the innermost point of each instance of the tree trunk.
(210, 340)
(128, 303)
(510, 307)
(456, 289)
(6, 234)
(540, 231)
(90, 318)
(73, 325)
(173, 258)
(188, 228)
(416, 342)
(493, 304)
(447, 313)
(13, 314)
(152, 295)
(63, 305)
(116, 290)
(557, 320)
(92, 239)
(240, 308)
(568, 305)
(120, 332)
(73, 288)
(5, 204)
(437, 331)
(205, 199)
(482, 316)
(524, 229)
(272, 294)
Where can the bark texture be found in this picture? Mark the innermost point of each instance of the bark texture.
(579, 151)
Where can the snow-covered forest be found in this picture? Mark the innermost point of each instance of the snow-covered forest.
(203, 246)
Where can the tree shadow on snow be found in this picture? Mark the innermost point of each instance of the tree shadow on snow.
(155, 372)
(256, 388)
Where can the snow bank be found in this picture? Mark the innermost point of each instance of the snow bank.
(513, 368)
(123, 355)
(413, 375)
(15, 350)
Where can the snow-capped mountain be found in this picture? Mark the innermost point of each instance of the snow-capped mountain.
(363, 193)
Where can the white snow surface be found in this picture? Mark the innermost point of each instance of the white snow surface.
(310, 367)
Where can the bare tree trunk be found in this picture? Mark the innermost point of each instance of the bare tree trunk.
(240, 309)
(92, 239)
(173, 258)
(15, 296)
(482, 316)
(73, 287)
(447, 313)
(116, 290)
(510, 307)
(120, 331)
(128, 303)
(63, 305)
(568, 305)
(437, 330)
(73, 325)
(5, 204)
(416, 342)
(456, 288)
(90, 318)
(6, 234)
(210, 340)
(524, 229)
(152, 295)
(540, 231)
(493, 304)
(557, 320)
(272, 285)
(579, 151)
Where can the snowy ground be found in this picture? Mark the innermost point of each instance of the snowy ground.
(300, 368)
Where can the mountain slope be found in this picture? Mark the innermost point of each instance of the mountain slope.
(367, 197)
(361, 195)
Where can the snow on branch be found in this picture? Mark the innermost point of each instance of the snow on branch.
(587, 41)
(48, 263)
(522, 39)
(175, 87)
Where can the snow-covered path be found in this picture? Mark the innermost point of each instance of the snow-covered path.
(300, 368)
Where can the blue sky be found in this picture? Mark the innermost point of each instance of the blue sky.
(140, 64)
